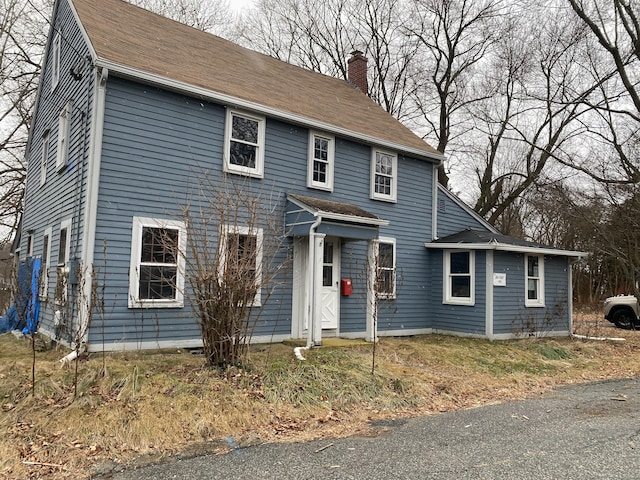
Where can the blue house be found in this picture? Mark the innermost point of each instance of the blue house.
(138, 117)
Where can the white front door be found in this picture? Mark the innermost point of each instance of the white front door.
(331, 283)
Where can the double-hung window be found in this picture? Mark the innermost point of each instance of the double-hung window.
(534, 281)
(241, 263)
(321, 154)
(30, 244)
(244, 144)
(386, 268)
(156, 275)
(384, 176)
(55, 61)
(62, 269)
(44, 266)
(459, 273)
(62, 152)
(44, 159)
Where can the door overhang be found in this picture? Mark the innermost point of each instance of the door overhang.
(336, 219)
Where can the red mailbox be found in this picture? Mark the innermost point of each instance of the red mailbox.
(346, 287)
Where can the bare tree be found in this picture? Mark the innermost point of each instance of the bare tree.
(321, 36)
(456, 35)
(23, 30)
(616, 25)
(535, 121)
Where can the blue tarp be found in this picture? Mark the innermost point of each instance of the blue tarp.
(33, 304)
(10, 320)
(25, 311)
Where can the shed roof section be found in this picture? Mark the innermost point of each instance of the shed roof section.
(484, 240)
(335, 209)
(336, 219)
(135, 42)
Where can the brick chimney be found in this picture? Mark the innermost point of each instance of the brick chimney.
(357, 71)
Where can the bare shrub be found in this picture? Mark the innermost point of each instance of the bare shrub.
(234, 261)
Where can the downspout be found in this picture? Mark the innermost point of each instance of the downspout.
(310, 288)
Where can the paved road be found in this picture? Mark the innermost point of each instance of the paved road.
(587, 431)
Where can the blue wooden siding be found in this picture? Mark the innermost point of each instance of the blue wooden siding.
(62, 196)
(156, 147)
(510, 316)
(458, 318)
(452, 218)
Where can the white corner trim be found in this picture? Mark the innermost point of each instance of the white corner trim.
(489, 294)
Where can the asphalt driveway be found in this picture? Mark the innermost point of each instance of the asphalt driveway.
(588, 431)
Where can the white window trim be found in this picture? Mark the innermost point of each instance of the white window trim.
(447, 297)
(64, 225)
(46, 263)
(394, 177)
(55, 64)
(44, 160)
(258, 170)
(328, 185)
(62, 151)
(539, 302)
(134, 267)
(30, 244)
(257, 232)
(392, 241)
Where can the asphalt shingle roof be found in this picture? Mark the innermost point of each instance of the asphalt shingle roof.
(129, 40)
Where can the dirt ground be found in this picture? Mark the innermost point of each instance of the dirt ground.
(128, 410)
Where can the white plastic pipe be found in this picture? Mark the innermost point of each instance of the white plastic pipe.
(297, 351)
(69, 358)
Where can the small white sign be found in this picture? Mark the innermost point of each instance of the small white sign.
(499, 279)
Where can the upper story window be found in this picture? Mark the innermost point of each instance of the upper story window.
(244, 144)
(241, 262)
(62, 152)
(459, 274)
(386, 268)
(44, 158)
(55, 61)
(321, 153)
(156, 271)
(384, 176)
(534, 281)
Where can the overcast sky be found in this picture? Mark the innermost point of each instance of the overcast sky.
(239, 4)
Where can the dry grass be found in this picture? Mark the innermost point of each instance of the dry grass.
(157, 404)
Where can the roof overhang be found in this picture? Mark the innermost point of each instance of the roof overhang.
(331, 218)
(504, 247)
(204, 93)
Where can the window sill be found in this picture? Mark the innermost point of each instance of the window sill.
(325, 188)
(534, 304)
(138, 304)
(467, 302)
(384, 199)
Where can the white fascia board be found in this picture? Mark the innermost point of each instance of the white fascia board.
(133, 73)
(338, 216)
(83, 31)
(352, 218)
(503, 247)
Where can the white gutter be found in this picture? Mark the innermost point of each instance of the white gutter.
(434, 202)
(93, 179)
(310, 287)
(175, 85)
(504, 247)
